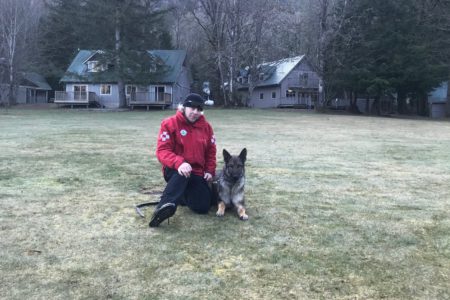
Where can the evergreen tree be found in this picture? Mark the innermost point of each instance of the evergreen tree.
(123, 29)
(60, 37)
(384, 47)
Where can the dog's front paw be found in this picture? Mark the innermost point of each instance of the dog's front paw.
(243, 217)
(220, 209)
(241, 213)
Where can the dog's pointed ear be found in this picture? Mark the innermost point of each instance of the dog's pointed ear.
(226, 155)
(243, 154)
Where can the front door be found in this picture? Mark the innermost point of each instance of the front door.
(29, 96)
(80, 92)
(159, 91)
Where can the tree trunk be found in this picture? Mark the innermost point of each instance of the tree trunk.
(376, 106)
(118, 46)
(11, 95)
(401, 102)
(353, 107)
(251, 87)
(230, 81)
(422, 102)
(221, 78)
(367, 109)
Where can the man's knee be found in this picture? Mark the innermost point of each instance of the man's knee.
(200, 205)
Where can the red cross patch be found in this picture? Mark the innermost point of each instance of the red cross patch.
(164, 136)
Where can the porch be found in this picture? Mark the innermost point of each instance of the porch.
(75, 98)
(148, 99)
(36, 96)
(308, 82)
(304, 98)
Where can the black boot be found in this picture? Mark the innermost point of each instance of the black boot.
(161, 213)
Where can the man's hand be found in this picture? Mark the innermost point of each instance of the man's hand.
(208, 177)
(185, 170)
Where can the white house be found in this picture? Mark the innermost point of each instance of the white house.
(87, 80)
(33, 88)
(289, 82)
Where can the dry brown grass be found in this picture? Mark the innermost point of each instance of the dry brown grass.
(340, 207)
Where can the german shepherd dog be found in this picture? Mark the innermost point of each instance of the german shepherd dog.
(230, 184)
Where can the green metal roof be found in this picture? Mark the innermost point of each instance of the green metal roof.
(37, 80)
(173, 60)
(77, 71)
(276, 71)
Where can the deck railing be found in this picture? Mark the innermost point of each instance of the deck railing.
(310, 83)
(144, 98)
(74, 97)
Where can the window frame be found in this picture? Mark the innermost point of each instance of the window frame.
(290, 94)
(93, 66)
(261, 76)
(303, 78)
(131, 87)
(82, 93)
(108, 87)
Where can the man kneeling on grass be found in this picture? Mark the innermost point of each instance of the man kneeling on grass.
(187, 150)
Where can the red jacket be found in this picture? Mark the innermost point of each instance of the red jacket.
(181, 141)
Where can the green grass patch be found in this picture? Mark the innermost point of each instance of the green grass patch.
(340, 207)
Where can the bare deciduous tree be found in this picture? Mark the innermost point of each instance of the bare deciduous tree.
(235, 31)
(18, 39)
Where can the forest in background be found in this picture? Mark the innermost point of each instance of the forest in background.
(361, 48)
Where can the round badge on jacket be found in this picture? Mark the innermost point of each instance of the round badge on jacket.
(183, 132)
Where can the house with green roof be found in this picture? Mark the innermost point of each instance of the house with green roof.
(90, 79)
(288, 82)
(32, 88)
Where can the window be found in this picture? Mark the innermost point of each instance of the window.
(304, 78)
(159, 93)
(92, 65)
(80, 92)
(261, 76)
(261, 96)
(80, 88)
(95, 66)
(130, 89)
(290, 93)
(274, 95)
(105, 89)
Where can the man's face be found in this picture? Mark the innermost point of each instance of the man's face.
(192, 113)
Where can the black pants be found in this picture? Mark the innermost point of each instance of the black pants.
(193, 192)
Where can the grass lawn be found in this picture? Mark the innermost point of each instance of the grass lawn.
(341, 207)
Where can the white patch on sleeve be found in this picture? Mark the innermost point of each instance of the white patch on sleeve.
(213, 139)
(164, 136)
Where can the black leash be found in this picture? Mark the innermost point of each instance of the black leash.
(138, 207)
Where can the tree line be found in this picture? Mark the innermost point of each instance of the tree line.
(361, 48)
